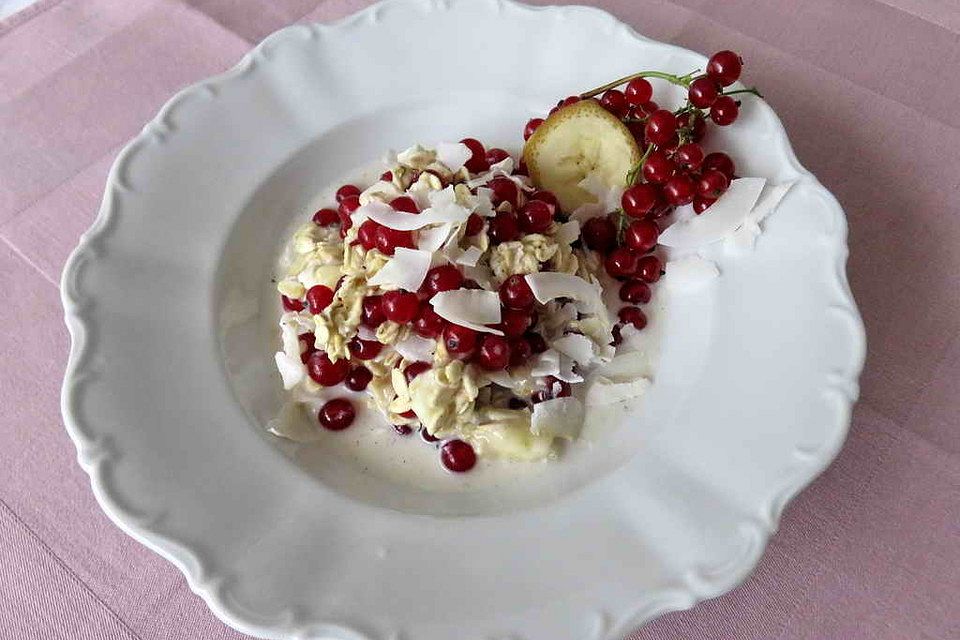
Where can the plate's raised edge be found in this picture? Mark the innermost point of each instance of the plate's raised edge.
(96, 454)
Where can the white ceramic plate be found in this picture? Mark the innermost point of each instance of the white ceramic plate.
(170, 377)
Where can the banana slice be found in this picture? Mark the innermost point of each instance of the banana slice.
(575, 141)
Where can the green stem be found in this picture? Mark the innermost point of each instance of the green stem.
(637, 168)
(683, 81)
(752, 90)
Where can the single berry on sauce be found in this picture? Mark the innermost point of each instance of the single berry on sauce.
(457, 456)
(337, 414)
(358, 378)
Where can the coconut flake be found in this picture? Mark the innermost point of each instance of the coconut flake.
(547, 286)
(565, 370)
(368, 210)
(443, 209)
(689, 273)
(604, 391)
(608, 197)
(366, 333)
(432, 238)
(453, 154)
(502, 168)
(406, 269)
(724, 216)
(576, 346)
(484, 204)
(501, 378)
(568, 232)
(471, 308)
(745, 237)
(559, 417)
(291, 369)
(416, 348)
(470, 256)
(545, 364)
(380, 188)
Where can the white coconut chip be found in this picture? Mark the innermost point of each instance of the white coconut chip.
(500, 378)
(432, 238)
(723, 217)
(565, 370)
(470, 256)
(453, 154)
(416, 349)
(443, 209)
(406, 269)
(484, 203)
(568, 232)
(545, 364)
(745, 236)
(502, 168)
(471, 308)
(387, 190)
(366, 333)
(291, 370)
(576, 346)
(547, 286)
(604, 391)
(559, 417)
(608, 197)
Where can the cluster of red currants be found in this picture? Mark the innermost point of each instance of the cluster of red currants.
(673, 171)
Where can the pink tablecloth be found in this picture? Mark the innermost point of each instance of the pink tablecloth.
(866, 89)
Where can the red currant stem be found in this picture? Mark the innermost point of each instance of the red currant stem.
(683, 81)
(637, 168)
(752, 90)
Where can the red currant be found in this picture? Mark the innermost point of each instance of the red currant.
(403, 429)
(661, 127)
(621, 263)
(460, 341)
(347, 191)
(634, 316)
(535, 217)
(504, 190)
(478, 156)
(474, 224)
(701, 204)
(649, 268)
(569, 100)
(638, 92)
(515, 293)
(641, 235)
(599, 234)
(405, 203)
(494, 353)
(372, 315)
(635, 292)
(548, 197)
(457, 456)
(358, 378)
(679, 190)
(324, 371)
(326, 217)
(658, 167)
(367, 234)
(615, 102)
(689, 156)
(319, 298)
(724, 67)
(428, 324)
(639, 200)
(364, 349)
(514, 322)
(389, 239)
(386, 176)
(520, 351)
(400, 306)
(446, 277)
(721, 162)
(724, 111)
(496, 155)
(703, 92)
(414, 369)
(503, 227)
(711, 184)
(289, 304)
(427, 437)
(532, 125)
(537, 343)
(337, 414)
